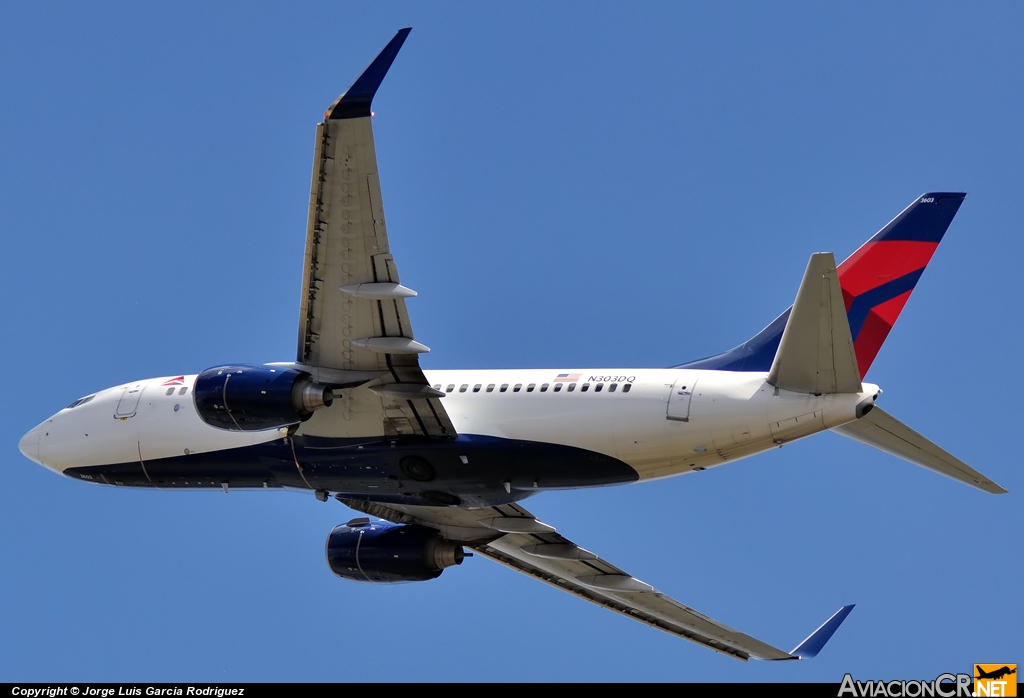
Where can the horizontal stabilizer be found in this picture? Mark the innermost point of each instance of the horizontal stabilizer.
(876, 282)
(816, 352)
(816, 641)
(879, 430)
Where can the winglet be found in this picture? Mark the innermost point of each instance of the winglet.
(816, 641)
(356, 100)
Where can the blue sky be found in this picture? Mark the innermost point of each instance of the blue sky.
(566, 185)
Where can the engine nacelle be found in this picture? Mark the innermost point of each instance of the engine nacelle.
(248, 398)
(383, 552)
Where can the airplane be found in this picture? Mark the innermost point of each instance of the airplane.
(995, 673)
(442, 459)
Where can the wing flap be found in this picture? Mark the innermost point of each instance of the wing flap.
(880, 430)
(624, 594)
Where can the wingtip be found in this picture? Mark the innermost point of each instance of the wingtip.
(356, 100)
(816, 641)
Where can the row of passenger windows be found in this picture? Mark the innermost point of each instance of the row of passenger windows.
(570, 387)
(181, 391)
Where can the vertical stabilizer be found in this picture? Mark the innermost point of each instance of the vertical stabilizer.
(876, 282)
(878, 278)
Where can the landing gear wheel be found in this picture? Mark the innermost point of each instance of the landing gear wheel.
(443, 498)
(417, 468)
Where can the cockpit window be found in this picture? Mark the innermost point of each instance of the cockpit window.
(80, 401)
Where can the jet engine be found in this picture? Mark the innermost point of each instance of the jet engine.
(383, 552)
(248, 398)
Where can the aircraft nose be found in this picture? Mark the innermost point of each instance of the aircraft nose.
(29, 445)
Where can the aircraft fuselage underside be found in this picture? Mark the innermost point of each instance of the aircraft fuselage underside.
(469, 470)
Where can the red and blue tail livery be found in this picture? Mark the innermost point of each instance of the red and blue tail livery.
(876, 282)
(878, 278)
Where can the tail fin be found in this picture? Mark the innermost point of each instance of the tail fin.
(876, 282)
(878, 278)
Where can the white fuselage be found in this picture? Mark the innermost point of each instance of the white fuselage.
(660, 422)
(726, 416)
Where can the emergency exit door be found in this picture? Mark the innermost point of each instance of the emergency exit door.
(679, 399)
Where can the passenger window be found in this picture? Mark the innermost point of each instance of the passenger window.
(544, 388)
(599, 387)
(463, 387)
(476, 388)
(585, 387)
(519, 386)
(183, 391)
(558, 387)
(626, 387)
(530, 387)
(437, 387)
(612, 387)
(451, 387)
(490, 387)
(572, 387)
(504, 387)
(170, 391)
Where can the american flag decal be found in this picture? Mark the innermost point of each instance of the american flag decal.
(567, 377)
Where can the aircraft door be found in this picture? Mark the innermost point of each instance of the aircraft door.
(680, 397)
(129, 402)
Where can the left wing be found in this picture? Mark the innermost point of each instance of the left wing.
(353, 324)
(511, 535)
